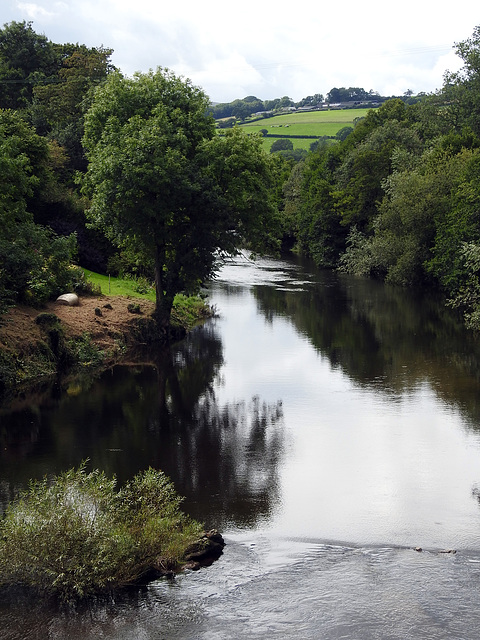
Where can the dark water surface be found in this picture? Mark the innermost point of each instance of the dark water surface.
(326, 425)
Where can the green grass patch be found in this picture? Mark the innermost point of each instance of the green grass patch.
(341, 117)
(187, 312)
(300, 129)
(127, 287)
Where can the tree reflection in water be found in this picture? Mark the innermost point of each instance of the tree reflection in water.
(382, 336)
(162, 413)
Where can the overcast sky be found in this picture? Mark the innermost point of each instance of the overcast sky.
(267, 49)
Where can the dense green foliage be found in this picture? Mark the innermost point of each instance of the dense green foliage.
(282, 144)
(398, 197)
(163, 184)
(44, 90)
(34, 262)
(76, 534)
(51, 83)
(216, 189)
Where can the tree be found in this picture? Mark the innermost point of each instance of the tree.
(343, 133)
(227, 123)
(284, 102)
(461, 89)
(34, 264)
(368, 163)
(428, 212)
(321, 143)
(338, 95)
(282, 144)
(456, 224)
(241, 109)
(293, 155)
(310, 101)
(320, 231)
(26, 58)
(162, 181)
(61, 104)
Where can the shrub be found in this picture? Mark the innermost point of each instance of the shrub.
(76, 535)
(358, 258)
(84, 352)
(343, 133)
(80, 284)
(188, 311)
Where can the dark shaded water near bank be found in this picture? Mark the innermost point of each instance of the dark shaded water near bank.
(326, 425)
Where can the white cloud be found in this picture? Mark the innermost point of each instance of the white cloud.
(265, 49)
(34, 11)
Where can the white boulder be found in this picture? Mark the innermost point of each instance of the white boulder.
(70, 299)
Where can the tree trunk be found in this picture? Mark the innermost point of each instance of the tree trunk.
(163, 361)
(164, 299)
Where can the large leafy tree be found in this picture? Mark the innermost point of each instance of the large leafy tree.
(34, 263)
(59, 105)
(160, 180)
(461, 89)
(51, 82)
(26, 58)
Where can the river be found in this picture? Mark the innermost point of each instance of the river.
(329, 426)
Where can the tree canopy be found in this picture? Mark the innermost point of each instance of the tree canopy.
(398, 197)
(282, 144)
(34, 263)
(162, 181)
(26, 58)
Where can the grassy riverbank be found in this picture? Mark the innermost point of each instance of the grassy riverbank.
(37, 344)
(187, 312)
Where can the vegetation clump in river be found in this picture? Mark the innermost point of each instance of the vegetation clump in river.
(77, 535)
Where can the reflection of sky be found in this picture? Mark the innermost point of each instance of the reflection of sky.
(359, 466)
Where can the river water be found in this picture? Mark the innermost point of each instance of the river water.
(330, 428)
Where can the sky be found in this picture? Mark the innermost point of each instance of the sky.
(266, 49)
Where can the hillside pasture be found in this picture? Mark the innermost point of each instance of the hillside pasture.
(308, 123)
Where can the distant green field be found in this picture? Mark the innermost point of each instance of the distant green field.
(309, 123)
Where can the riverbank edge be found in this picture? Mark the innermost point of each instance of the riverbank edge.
(59, 343)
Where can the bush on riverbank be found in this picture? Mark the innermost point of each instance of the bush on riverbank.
(77, 535)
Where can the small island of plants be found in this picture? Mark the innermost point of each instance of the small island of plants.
(76, 535)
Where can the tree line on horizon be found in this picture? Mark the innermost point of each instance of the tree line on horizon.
(351, 97)
(128, 175)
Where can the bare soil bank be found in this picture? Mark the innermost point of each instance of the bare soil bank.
(19, 332)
